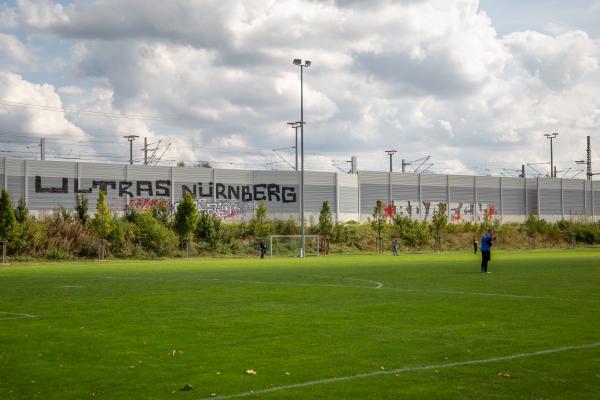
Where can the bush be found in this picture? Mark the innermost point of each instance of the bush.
(70, 237)
(122, 238)
(28, 238)
(287, 227)
(154, 237)
(412, 233)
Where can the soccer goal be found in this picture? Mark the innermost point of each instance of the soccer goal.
(289, 245)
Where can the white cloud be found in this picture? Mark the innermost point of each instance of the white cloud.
(13, 50)
(559, 61)
(14, 89)
(8, 17)
(424, 76)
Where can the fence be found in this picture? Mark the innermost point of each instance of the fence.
(234, 194)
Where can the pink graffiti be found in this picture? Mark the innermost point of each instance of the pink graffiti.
(148, 204)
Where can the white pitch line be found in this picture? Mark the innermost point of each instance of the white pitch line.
(516, 296)
(11, 315)
(401, 370)
(379, 286)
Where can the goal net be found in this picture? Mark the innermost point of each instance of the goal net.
(289, 245)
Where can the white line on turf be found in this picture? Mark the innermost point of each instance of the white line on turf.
(4, 315)
(401, 370)
(379, 285)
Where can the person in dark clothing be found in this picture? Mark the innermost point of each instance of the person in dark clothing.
(475, 246)
(395, 247)
(486, 247)
(262, 247)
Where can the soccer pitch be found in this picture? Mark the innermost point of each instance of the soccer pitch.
(345, 327)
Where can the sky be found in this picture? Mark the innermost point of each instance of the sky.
(475, 85)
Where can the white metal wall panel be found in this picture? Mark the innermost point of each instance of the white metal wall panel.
(52, 169)
(348, 200)
(192, 177)
(101, 171)
(319, 178)
(513, 196)
(461, 181)
(433, 188)
(278, 177)
(550, 197)
(234, 177)
(348, 180)
(461, 189)
(588, 198)
(348, 192)
(532, 196)
(16, 188)
(15, 168)
(288, 179)
(488, 190)
(15, 172)
(574, 197)
(369, 194)
(376, 178)
(513, 201)
(192, 174)
(405, 187)
(320, 186)
(513, 183)
(148, 173)
(596, 203)
(43, 201)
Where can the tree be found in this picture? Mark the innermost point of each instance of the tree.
(7, 221)
(186, 219)
(438, 224)
(21, 212)
(532, 226)
(162, 214)
(261, 226)
(209, 229)
(325, 221)
(378, 223)
(81, 208)
(102, 222)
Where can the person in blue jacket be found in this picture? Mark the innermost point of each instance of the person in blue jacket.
(486, 247)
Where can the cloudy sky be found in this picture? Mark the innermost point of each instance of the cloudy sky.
(473, 84)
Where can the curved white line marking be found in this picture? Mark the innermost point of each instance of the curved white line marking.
(401, 370)
(12, 315)
(378, 285)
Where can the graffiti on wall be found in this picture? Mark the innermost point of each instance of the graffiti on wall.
(225, 209)
(271, 192)
(143, 204)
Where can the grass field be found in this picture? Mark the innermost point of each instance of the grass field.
(347, 327)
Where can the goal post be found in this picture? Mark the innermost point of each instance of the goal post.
(289, 245)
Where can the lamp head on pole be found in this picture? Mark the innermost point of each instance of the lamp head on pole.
(302, 63)
(551, 135)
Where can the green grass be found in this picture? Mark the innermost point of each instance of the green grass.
(108, 331)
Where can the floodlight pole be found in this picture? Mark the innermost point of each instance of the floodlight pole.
(302, 64)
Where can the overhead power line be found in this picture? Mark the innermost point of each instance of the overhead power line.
(104, 114)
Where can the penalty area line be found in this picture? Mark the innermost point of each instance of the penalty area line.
(401, 370)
